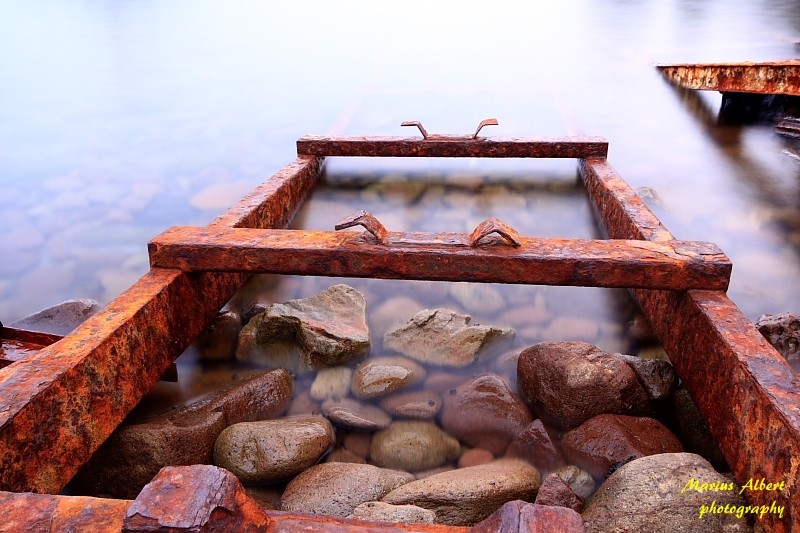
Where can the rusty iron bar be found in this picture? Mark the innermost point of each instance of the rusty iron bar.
(443, 146)
(746, 392)
(776, 77)
(675, 265)
(61, 403)
(16, 344)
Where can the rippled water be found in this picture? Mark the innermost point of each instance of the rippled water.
(120, 119)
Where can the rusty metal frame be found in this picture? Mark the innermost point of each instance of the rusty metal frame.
(772, 77)
(61, 403)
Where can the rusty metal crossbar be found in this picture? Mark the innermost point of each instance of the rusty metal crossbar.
(60, 403)
(453, 146)
(673, 265)
(773, 77)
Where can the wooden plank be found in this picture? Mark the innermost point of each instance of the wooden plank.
(674, 265)
(444, 146)
(776, 77)
(747, 393)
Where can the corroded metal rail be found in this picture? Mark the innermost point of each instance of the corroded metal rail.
(673, 265)
(775, 77)
(60, 403)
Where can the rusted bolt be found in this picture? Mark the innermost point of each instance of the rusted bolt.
(418, 124)
(494, 225)
(485, 122)
(368, 221)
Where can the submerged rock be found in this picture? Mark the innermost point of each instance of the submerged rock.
(332, 382)
(783, 332)
(445, 338)
(605, 442)
(413, 446)
(336, 489)
(351, 414)
(218, 341)
(382, 376)
(301, 335)
(468, 495)
(567, 383)
(419, 405)
(485, 413)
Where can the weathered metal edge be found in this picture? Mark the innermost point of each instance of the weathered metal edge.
(746, 392)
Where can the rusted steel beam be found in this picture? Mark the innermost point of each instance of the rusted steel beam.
(453, 146)
(61, 403)
(776, 77)
(45, 513)
(674, 265)
(747, 393)
(16, 344)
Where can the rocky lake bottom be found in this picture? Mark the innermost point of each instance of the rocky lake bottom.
(371, 403)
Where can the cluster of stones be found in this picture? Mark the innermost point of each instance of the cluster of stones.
(445, 426)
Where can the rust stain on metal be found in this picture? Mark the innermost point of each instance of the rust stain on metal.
(494, 225)
(444, 146)
(776, 77)
(673, 265)
(61, 403)
(746, 392)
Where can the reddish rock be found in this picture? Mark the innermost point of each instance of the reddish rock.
(474, 457)
(557, 493)
(567, 383)
(605, 442)
(535, 446)
(194, 498)
(484, 413)
(343, 455)
(520, 517)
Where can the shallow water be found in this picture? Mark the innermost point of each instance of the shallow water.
(118, 120)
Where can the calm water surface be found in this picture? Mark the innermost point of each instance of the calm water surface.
(120, 119)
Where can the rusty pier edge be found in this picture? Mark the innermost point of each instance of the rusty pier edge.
(61, 403)
(745, 390)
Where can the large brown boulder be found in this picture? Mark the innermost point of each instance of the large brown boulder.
(484, 413)
(605, 442)
(567, 383)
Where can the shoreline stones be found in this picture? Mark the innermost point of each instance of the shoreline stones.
(442, 337)
(272, 450)
(327, 329)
